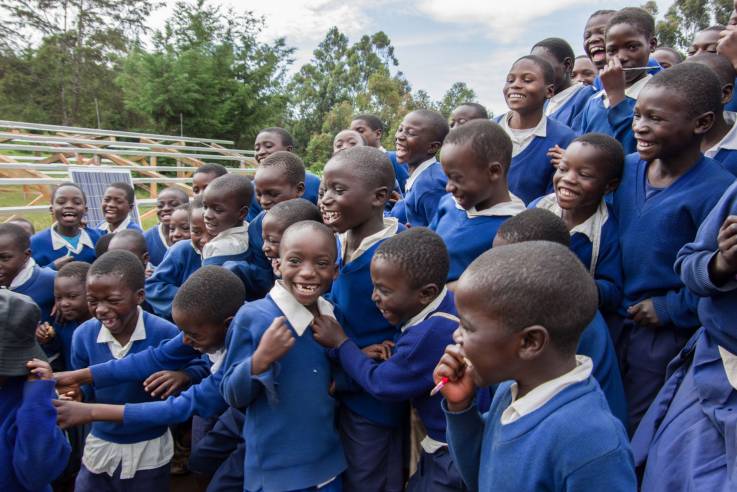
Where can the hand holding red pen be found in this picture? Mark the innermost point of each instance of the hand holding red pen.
(460, 389)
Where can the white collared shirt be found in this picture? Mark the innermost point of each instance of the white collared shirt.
(23, 275)
(422, 315)
(503, 209)
(591, 227)
(217, 359)
(58, 241)
(416, 173)
(101, 456)
(233, 241)
(521, 139)
(391, 226)
(728, 141)
(298, 316)
(105, 226)
(633, 91)
(538, 397)
(729, 360)
(558, 101)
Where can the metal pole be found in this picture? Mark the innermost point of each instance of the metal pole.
(97, 110)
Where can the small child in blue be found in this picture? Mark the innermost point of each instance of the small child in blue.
(529, 85)
(408, 272)
(685, 438)
(117, 204)
(667, 190)
(66, 240)
(33, 450)
(157, 237)
(549, 426)
(417, 141)
(276, 370)
(371, 128)
(590, 169)
(475, 158)
(225, 203)
(630, 39)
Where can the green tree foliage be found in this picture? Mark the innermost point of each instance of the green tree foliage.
(684, 18)
(458, 94)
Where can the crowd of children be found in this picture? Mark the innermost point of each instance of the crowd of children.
(542, 301)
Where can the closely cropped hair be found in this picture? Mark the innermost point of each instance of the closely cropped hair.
(212, 168)
(138, 241)
(558, 47)
(130, 194)
(489, 142)
(534, 224)
(195, 203)
(602, 12)
(373, 121)
(545, 67)
(236, 185)
(123, 264)
(184, 206)
(24, 221)
(479, 110)
(536, 283)
(20, 236)
(102, 244)
(421, 255)
(293, 166)
(286, 137)
(74, 269)
(212, 292)
(636, 17)
(612, 152)
(64, 185)
(715, 27)
(295, 210)
(182, 194)
(371, 165)
(696, 86)
(679, 56)
(720, 64)
(437, 122)
(311, 227)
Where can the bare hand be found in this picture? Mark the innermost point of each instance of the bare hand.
(728, 44)
(643, 313)
(148, 271)
(378, 351)
(69, 381)
(555, 155)
(613, 81)
(460, 388)
(166, 383)
(328, 332)
(44, 333)
(276, 341)
(40, 370)
(72, 413)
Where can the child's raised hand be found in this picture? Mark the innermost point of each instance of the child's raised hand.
(40, 370)
(275, 342)
(460, 389)
(72, 413)
(328, 332)
(60, 262)
(725, 262)
(644, 314)
(555, 154)
(166, 383)
(44, 333)
(612, 78)
(728, 44)
(69, 381)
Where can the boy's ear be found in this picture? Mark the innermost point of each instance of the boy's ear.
(290, 148)
(727, 92)
(277, 267)
(381, 195)
(300, 189)
(653, 44)
(611, 186)
(145, 257)
(568, 63)
(434, 147)
(704, 122)
(140, 296)
(243, 211)
(549, 91)
(428, 293)
(533, 341)
(227, 321)
(495, 170)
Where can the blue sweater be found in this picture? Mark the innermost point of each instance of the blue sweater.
(256, 273)
(156, 247)
(86, 352)
(401, 172)
(615, 121)
(40, 288)
(312, 193)
(33, 450)
(131, 225)
(466, 238)
(552, 448)
(531, 173)
(44, 253)
(407, 375)
(573, 107)
(420, 202)
(652, 231)
(728, 159)
(180, 261)
(64, 333)
(291, 440)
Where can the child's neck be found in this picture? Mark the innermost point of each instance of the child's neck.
(414, 165)
(563, 86)
(717, 132)
(547, 368)
(359, 233)
(125, 336)
(633, 82)
(575, 216)
(495, 198)
(115, 225)
(523, 120)
(67, 231)
(661, 173)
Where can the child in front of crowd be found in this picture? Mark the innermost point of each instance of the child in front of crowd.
(225, 204)
(371, 129)
(157, 237)
(345, 139)
(705, 41)
(533, 437)
(590, 169)
(667, 190)
(118, 202)
(528, 87)
(584, 71)
(466, 112)
(408, 272)
(291, 440)
(357, 185)
(630, 39)
(667, 57)
(418, 139)
(204, 175)
(33, 450)
(569, 98)
(475, 158)
(66, 240)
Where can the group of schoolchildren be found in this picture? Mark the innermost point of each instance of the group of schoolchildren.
(545, 301)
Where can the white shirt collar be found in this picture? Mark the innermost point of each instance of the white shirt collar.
(633, 91)
(558, 100)
(391, 226)
(416, 173)
(162, 236)
(105, 226)
(520, 142)
(119, 351)
(298, 316)
(729, 360)
(233, 241)
(58, 241)
(422, 315)
(728, 141)
(23, 275)
(503, 209)
(538, 397)
(217, 358)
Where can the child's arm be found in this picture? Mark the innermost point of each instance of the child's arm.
(162, 286)
(608, 273)
(612, 472)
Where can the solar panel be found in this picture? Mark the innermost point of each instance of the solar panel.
(94, 182)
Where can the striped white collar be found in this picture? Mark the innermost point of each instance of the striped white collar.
(391, 226)
(58, 241)
(24, 275)
(233, 241)
(298, 316)
(416, 173)
(105, 226)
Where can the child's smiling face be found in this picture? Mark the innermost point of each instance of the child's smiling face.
(267, 143)
(469, 181)
(393, 295)
(272, 186)
(348, 200)
(579, 179)
(179, 226)
(414, 140)
(631, 47)
(113, 303)
(594, 36)
(525, 89)
(70, 298)
(68, 207)
(167, 201)
(222, 211)
(115, 205)
(197, 231)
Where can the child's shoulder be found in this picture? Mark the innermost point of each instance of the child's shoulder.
(256, 313)
(158, 326)
(560, 130)
(41, 236)
(87, 329)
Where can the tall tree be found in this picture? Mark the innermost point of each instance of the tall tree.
(458, 94)
(684, 18)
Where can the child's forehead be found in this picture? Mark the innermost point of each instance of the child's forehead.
(180, 214)
(598, 21)
(169, 195)
(263, 173)
(706, 37)
(69, 192)
(623, 32)
(8, 242)
(269, 137)
(69, 282)
(113, 190)
(526, 66)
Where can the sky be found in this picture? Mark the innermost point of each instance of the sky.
(437, 42)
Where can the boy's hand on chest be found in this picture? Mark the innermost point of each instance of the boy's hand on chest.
(276, 341)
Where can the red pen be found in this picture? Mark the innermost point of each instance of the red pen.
(443, 381)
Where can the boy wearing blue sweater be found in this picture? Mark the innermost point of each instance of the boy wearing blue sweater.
(371, 128)
(225, 203)
(66, 240)
(535, 435)
(475, 158)
(33, 451)
(157, 238)
(590, 169)
(408, 272)
(418, 139)
(117, 204)
(529, 86)
(276, 370)
(357, 185)
(668, 187)
(685, 438)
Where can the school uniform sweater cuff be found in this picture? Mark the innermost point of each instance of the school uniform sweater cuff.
(701, 271)
(39, 392)
(104, 375)
(661, 309)
(242, 372)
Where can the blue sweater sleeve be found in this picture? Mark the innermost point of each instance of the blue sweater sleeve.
(608, 274)
(80, 360)
(465, 435)
(41, 451)
(620, 119)
(163, 285)
(611, 472)
(428, 204)
(677, 307)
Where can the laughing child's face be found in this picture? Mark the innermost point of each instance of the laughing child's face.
(348, 200)
(200, 182)
(704, 42)
(70, 298)
(525, 89)
(631, 47)
(68, 207)
(594, 39)
(372, 137)
(167, 201)
(580, 180)
(272, 186)
(197, 231)
(584, 71)
(397, 300)
(204, 335)
(222, 211)
(12, 259)
(179, 226)
(115, 206)
(113, 303)
(267, 143)
(272, 230)
(345, 140)
(472, 183)
(414, 140)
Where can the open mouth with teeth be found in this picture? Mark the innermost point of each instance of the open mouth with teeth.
(305, 289)
(598, 54)
(109, 322)
(643, 145)
(69, 216)
(515, 96)
(566, 193)
(330, 217)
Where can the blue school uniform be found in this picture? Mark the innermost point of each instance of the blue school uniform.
(291, 441)
(181, 260)
(48, 246)
(651, 231)
(596, 243)
(567, 105)
(732, 105)
(33, 450)
(64, 333)
(229, 245)
(531, 173)
(37, 283)
(156, 244)
(312, 193)
(104, 227)
(424, 189)
(725, 152)
(615, 121)
(468, 233)
(550, 448)
(401, 172)
(256, 273)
